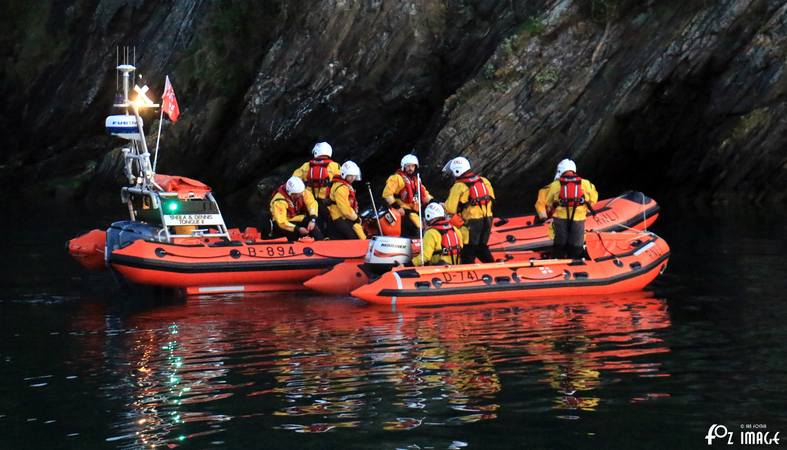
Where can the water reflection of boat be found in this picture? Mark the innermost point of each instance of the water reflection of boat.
(315, 366)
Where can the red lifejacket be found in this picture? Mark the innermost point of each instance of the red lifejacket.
(351, 197)
(318, 176)
(407, 194)
(293, 208)
(571, 195)
(450, 240)
(479, 194)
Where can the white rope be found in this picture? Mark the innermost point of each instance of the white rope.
(644, 221)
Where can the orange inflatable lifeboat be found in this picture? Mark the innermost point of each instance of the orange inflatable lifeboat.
(177, 238)
(349, 275)
(619, 262)
(629, 211)
(511, 239)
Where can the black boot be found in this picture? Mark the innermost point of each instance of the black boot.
(484, 255)
(468, 254)
(575, 252)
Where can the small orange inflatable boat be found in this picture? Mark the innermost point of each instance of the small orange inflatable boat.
(512, 239)
(620, 262)
(629, 211)
(349, 275)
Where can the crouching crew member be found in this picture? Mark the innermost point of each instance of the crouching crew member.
(442, 243)
(471, 196)
(571, 196)
(344, 206)
(401, 190)
(317, 174)
(294, 211)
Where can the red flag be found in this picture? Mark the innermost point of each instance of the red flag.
(169, 103)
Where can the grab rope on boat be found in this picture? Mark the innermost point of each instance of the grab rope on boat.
(601, 240)
(160, 252)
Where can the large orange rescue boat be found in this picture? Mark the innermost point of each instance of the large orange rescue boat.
(176, 235)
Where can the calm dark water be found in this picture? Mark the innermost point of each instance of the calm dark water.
(84, 365)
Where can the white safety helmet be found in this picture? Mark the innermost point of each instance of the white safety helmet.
(457, 166)
(294, 186)
(565, 166)
(409, 159)
(350, 168)
(322, 149)
(433, 211)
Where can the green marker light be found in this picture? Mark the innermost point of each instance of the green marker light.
(172, 207)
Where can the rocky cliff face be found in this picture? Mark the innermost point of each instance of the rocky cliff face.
(675, 98)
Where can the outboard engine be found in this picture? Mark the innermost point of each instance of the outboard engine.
(386, 252)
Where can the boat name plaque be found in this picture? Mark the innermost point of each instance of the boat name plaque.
(192, 219)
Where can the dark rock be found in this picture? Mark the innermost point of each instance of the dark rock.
(680, 99)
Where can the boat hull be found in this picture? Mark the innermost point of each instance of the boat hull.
(645, 256)
(239, 267)
(347, 276)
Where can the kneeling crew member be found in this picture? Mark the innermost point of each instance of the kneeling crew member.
(472, 197)
(294, 211)
(317, 174)
(400, 192)
(442, 242)
(344, 206)
(571, 196)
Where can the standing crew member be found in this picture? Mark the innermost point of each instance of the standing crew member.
(571, 196)
(471, 196)
(294, 211)
(442, 242)
(318, 175)
(344, 206)
(401, 190)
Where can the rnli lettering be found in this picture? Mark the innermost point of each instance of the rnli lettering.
(465, 275)
(606, 217)
(654, 252)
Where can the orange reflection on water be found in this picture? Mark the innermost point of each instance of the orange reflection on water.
(316, 365)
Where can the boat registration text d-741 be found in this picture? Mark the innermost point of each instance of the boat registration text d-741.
(464, 275)
(192, 219)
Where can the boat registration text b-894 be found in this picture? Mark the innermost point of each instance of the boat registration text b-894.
(192, 219)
